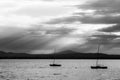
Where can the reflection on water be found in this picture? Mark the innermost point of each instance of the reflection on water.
(70, 70)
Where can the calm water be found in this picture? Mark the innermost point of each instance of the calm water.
(71, 70)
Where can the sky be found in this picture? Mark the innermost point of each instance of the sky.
(42, 26)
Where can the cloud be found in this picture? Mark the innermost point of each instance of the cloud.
(42, 51)
(102, 6)
(48, 0)
(86, 20)
(20, 42)
(46, 37)
(106, 36)
(41, 25)
(44, 10)
(103, 12)
(19, 24)
(64, 20)
(115, 28)
(94, 12)
(29, 12)
(24, 43)
(53, 30)
(34, 38)
(107, 41)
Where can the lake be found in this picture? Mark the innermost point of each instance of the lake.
(38, 69)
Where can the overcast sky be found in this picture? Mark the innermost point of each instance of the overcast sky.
(40, 26)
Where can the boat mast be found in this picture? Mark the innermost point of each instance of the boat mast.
(54, 57)
(98, 51)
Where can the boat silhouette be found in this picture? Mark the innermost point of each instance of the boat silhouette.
(98, 66)
(54, 64)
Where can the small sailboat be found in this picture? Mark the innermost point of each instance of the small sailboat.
(55, 64)
(98, 66)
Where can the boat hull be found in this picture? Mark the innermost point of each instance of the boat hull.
(99, 67)
(55, 65)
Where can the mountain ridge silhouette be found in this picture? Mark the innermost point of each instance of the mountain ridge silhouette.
(68, 54)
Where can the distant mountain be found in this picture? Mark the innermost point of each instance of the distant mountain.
(59, 55)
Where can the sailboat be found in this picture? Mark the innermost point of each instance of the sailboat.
(98, 66)
(54, 64)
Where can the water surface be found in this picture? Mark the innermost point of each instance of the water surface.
(37, 69)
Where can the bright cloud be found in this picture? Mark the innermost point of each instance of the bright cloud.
(27, 12)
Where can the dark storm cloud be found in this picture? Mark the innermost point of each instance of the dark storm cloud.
(105, 12)
(107, 40)
(52, 30)
(115, 28)
(36, 38)
(24, 44)
(107, 9)
(102, 6)
(106, 36)
(64, 20)
(87, 19)
(22, 41)
(100, 20)
(115, 44)
(60, 31)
